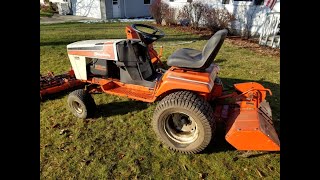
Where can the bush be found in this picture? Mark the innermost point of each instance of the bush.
(158, 9)
(54, 7)
(193, 12)
(46, 8)
(217, 19)
(169, 17)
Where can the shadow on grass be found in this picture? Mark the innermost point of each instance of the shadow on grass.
(119, 108)
(219, 60)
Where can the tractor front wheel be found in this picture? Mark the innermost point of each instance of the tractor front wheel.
(184, 122)
(81, 104)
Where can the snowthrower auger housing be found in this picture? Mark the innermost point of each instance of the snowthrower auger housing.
(190, 96)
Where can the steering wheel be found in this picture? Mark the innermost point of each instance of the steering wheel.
(146, 37)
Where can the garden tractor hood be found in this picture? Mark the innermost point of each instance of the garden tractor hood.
(101, 49)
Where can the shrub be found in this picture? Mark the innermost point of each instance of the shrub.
(169, 17)
(45, 8)
(217, 19)
(54, 7)
(158, 9)
(193, 12)
(49, 7)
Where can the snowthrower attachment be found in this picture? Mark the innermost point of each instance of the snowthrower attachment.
(249, 123)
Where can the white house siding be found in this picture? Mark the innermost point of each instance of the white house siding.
(241, 9)
(54, 1)
(135, 8)
(248, 15)
(88, 8)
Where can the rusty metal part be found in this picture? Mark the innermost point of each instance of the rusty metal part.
(51, 84)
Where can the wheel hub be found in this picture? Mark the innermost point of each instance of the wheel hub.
(77, 107)
(181, 128)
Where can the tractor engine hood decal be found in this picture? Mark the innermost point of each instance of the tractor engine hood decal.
(102, 49)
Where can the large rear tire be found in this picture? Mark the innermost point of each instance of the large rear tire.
(81, 104)
(184, 122)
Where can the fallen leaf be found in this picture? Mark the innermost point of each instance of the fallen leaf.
(56, 125)
(88, 162)
(185, 167)
(136, 162)
(47, 145)
(203, 175)
(270, 168)
(121, 155)
(261, 174)
(235, 158)
(62, 131)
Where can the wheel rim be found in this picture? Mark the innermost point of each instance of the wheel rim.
(181, 128)
(77, 107)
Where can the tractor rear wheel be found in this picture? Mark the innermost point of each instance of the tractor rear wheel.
(184, 122)
(81, 104)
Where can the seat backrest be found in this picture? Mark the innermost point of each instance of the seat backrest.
(136, 60)
(212, 47)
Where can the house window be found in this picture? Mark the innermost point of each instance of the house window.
(146, 2)
(225, 1)
(258, 2)
(114, 2)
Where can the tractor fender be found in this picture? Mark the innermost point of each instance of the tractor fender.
(170, 83)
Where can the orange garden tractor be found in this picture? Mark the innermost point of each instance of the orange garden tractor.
(190, 96)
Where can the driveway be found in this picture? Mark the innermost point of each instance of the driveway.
(57, 18)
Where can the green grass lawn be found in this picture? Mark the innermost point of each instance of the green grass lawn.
(45, 14)
(120, 143)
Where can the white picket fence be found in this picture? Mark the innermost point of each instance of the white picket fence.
(270, 35)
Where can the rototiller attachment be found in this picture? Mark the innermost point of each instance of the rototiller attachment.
(248, 118)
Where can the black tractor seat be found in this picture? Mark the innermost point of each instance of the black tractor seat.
(195, 59)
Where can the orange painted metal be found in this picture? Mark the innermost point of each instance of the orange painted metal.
(52, 84)
(184, 79)
(249, 126)
(115, 87)
(131, 33)
(249, 86)
(249, 130)
(155, 57)
(174, 79)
